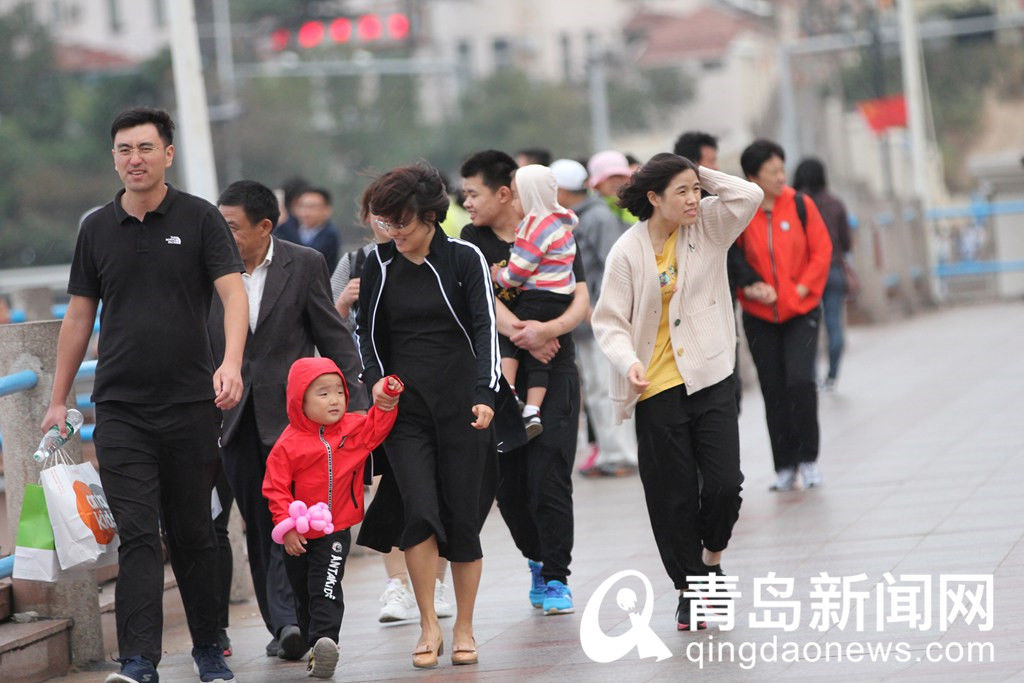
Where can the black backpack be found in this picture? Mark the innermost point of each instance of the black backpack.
(801, 209)
(357, 259)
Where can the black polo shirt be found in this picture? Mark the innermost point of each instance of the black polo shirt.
(154, 279)
(496, 251)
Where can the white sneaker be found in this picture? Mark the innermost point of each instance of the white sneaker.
(785, 480)
(810, 474)
(398, 603)
(442, 603)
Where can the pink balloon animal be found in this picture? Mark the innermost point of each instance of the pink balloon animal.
(302, 519)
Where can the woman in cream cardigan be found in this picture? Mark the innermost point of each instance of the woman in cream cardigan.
(666, 323)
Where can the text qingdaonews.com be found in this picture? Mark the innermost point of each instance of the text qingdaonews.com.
(749, 654)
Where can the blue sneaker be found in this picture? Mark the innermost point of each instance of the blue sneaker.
(134, 670)
(537, 587)
(210, 664)
(557, 598)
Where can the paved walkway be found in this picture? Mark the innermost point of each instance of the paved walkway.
(922, 454)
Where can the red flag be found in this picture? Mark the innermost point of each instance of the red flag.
(884, 112)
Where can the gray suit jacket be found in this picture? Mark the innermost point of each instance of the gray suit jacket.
(296, 315)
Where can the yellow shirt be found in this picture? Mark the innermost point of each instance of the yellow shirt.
(663, 373)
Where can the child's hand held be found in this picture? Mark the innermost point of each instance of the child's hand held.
(294, 544)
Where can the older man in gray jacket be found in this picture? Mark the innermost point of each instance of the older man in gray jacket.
(596, 233)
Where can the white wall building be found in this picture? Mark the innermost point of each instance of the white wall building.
(134, 29)
(548, 40)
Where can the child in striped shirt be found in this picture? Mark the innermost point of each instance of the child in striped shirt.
(541, 265)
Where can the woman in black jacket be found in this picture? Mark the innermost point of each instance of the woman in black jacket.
(426, 314)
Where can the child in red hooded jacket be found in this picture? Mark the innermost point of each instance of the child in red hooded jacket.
(319, 458)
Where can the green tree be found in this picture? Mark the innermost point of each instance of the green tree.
(56, 162)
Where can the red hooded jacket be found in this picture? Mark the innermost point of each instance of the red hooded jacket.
(318, 463)
(786, 254)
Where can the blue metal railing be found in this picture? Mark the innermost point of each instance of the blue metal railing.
(27, 379)
(57, 311)
(19, 381)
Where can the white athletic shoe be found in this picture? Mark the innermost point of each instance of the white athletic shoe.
(442, 603)
(398, 603)
(810, 475)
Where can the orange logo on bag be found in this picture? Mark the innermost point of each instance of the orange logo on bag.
(94, 511)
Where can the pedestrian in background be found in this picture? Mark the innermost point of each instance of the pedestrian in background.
(810, 178)
(614, 452)
(788, 245)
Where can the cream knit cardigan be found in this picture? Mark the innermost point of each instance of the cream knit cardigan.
(701, 319)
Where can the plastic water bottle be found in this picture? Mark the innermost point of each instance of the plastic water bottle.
(52, 440)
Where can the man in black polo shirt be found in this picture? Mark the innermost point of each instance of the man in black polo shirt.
(535, 481)
(153, 256)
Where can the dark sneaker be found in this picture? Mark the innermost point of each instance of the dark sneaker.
(272, 648)
(134, 670)
(224, 642)
(683, 617)
(557, 598)
(290, 643)
(210, 665)
(713, 569)
(323, 659)
(533, 426)
(621, 469)
(538, 589)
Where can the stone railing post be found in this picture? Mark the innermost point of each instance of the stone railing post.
(37, 302)
(33, 346)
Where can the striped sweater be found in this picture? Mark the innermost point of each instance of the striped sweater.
(542, 255)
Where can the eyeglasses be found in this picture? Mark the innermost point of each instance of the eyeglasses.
(392, 227)
(145, 149)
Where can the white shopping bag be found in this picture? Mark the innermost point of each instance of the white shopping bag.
(83, 526)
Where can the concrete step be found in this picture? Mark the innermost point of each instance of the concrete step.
(35, 651)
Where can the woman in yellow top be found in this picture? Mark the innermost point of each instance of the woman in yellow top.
(665, 321)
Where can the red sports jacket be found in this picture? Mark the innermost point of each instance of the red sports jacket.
(786, 254)
(322, 463)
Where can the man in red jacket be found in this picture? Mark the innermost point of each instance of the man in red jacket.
(319, 458)
(787, 244)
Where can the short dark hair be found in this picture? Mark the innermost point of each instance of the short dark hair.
(417, 189)
(316, 190)
(292, 188)
(256, 200)
(690, 143)
(536, 155)
(494, 166)
(757, 153)
(138, 116)
(654, 176)
(630, 159)
(810, 176)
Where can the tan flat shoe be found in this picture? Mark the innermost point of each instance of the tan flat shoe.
(465, 656)
(425, 656)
